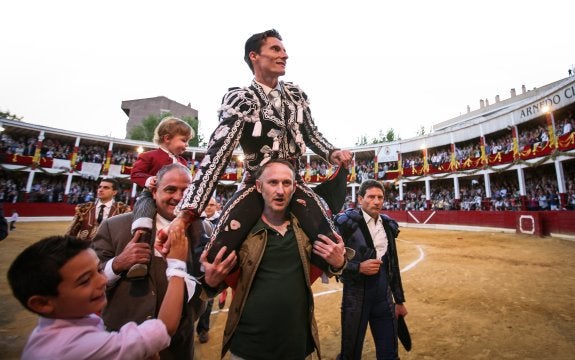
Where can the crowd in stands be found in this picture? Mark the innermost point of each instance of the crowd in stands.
(9, 189)
(535, 135)
(22, 147)
(498, 143)
(365, 169)
(532, 135)
(541, 194)
(54, 149)
(51, 189)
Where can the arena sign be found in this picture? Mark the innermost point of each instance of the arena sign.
(554, 101)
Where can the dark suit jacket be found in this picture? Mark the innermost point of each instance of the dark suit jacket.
(355, 233)
(149, 163)
(141, 299)
(353, 229)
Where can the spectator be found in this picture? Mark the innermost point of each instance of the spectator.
(272, 313)
(211, 216)
(90, 215)
(372, 288)
(13, 220)
(59, 278)
(119, 250)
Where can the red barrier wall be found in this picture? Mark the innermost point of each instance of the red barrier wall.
(39, 209)
(529, 222)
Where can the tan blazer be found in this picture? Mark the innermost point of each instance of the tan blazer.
(139, 300)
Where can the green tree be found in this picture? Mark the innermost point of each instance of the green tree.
(390, 136)
(9, 116)
(382, 137)
(145, 131)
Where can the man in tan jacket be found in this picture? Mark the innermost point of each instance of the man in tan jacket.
(271, 315)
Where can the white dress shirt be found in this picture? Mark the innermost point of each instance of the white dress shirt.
(377, 232)
(107, 208)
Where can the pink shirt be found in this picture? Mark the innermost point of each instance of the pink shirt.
(85, 338)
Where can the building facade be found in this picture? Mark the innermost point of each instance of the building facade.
(139, 109)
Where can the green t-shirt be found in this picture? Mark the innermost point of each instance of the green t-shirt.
(275, 323)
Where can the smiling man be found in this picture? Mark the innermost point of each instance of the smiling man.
(270, 119)
(138, 300)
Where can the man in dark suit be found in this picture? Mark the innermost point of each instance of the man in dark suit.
(138, 300)
(210, 217)
(372, 289)
(89, 215)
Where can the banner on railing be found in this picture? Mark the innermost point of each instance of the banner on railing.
(61, 164)
(115, 170)
(91, 170)
(388, 153)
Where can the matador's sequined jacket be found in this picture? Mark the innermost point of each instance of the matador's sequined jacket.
(248, 118)
(84, 224)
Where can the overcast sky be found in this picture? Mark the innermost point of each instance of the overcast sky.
(365, 65)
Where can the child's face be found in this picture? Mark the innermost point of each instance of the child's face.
(82, 290)
(176, 144)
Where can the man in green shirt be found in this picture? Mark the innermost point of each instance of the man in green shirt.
(272, 312)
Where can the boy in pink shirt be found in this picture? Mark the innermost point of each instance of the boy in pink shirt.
(60, 279)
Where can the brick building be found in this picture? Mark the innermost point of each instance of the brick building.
(139, 109)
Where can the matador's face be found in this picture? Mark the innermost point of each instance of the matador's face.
(271, 60)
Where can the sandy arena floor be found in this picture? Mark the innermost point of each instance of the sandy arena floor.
(470, 295)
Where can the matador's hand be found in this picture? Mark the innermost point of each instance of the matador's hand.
(217, 271)
(341, 158)
(178, 225)
(332, 252)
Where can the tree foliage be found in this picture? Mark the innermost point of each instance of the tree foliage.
(145, 131)
(9, 116)
(390, 135)
(381, 137)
